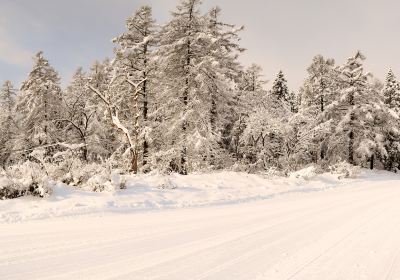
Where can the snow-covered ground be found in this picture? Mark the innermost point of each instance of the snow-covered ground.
(154, 192)
(238, 226)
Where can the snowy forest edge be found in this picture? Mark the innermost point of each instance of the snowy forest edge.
(176, 99)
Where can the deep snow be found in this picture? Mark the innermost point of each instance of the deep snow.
(153, 192)
(351, 232)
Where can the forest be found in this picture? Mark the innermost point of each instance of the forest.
(175, 98)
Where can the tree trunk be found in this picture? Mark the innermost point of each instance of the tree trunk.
(134, 165)
(145, 118)
(371, 162)
(145, 106)
(351, 134)
(351, 147)
(84, 151)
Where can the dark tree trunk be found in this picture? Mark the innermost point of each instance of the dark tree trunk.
(145, 118)
(145, 106)
(184, 161)
(351, 133)
(134, 162)
(84, 152)
(371, 162)
(351, 147)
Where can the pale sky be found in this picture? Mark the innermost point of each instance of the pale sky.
(278, 35)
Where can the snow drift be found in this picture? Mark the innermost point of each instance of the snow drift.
(154, 192)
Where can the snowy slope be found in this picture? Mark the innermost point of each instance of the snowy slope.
(148, 192)
(352, 232)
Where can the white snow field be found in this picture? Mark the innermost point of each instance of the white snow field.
(307, 232)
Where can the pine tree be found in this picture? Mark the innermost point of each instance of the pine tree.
(294, 102)
(319, 85)
(40, 105)
(391, 94)
(198, 63)
(180, 49)
(8, 124)
(221, 71)
(251, 79)
(134, 58)
(391, 91)
(356, 115)
(316, 94)
(280, 88)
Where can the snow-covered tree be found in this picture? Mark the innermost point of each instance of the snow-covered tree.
(99, 76)
(294, 101)
(319, 85)
(355, 116)
(198, 62)
(391, 94)
(39, 105)
(221, 73)
(8, 124)
(134, 58)
(252, 79)
(280, 88)
(80, 116)
(316, 94)
(263, 139)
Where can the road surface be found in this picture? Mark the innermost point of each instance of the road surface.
(345, 233)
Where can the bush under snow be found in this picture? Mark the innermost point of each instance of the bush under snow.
(345, 170)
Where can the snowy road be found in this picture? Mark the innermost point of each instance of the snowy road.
(346, 233)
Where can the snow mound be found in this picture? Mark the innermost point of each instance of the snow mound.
(155, 192)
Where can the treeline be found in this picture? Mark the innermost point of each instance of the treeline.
(176, 99)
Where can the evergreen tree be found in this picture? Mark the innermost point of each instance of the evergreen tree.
(40, 105)
(198, 62)
(8, 125)
(134, 58)
(180, 48)
(294, 102)
(316, 94)
(280, 88)
(251, 79)
(221, 72)
(391, 94)
(356, 115)
(319, 85)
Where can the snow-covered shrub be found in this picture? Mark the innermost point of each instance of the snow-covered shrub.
(99, 183)
(118, 180)
(22, 180)
(97, 177)
(239, 167)
(306, 173)
(40, 189)
(88, 176)
(9, 189)
(345, 170)
(168, 184)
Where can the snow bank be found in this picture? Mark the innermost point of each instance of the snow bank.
(154, 192)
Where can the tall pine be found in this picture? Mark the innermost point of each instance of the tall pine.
(279, 88)
(40, 105)
(134, 58)
(8, 124)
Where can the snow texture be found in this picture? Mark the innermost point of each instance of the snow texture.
(155, 192)
(351, 232)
